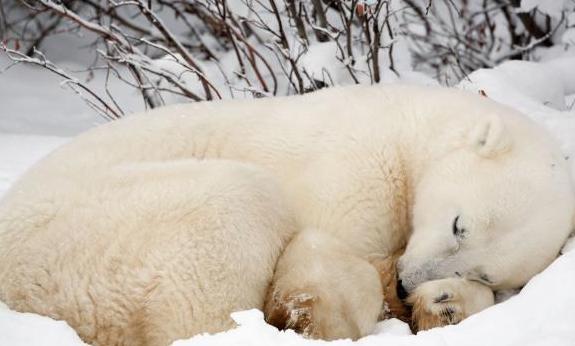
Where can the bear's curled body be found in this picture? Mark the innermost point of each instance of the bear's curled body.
(157, 226)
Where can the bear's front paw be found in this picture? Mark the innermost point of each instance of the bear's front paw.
(292, 310)
(447, 301)
(435, 310)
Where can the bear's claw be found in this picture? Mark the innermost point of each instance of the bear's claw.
(291, 311)
(440, 312)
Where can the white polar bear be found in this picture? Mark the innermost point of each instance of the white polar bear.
(156, 227)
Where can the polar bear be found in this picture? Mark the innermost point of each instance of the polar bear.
(157, 226)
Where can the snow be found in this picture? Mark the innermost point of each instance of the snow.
(33, 102)
(35, 119)
(544, 307)
(30, 107)
(18, 152)
(30, 329)
(568, 36)
(552, 8)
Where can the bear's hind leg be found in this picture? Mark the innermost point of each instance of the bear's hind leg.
(215, 230)
(322, 290)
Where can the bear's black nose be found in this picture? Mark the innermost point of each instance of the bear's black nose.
(401, 292)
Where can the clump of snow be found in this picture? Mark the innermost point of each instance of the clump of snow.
(325, 62)
(564, 68)
(254, 331)
(20, 329)
(552, 8)
(526, 81)
(568, 36)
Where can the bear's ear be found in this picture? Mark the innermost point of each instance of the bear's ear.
(489, 137)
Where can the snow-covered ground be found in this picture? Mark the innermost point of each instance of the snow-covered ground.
(18, 151)
(36, 118)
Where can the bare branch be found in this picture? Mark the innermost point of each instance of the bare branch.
(106, 110)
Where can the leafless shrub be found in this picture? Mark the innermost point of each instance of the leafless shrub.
(174, 50)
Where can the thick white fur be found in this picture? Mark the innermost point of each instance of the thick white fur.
(156, 227)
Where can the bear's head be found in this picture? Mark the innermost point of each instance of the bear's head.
(495, 209)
